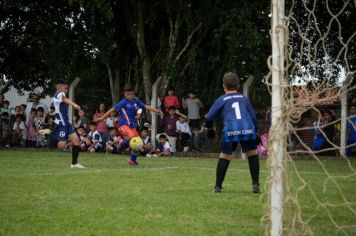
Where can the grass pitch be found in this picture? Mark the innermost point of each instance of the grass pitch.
(41, 195)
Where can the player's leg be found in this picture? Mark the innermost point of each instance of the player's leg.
(250, 148)
(129, 133)
(73, 137)
(223, 164)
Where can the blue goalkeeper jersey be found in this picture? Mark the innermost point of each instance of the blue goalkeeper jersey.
(239, 118)
(352, 127)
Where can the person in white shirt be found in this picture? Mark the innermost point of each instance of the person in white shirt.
(163, 147)
(111, 121)
(35, 104)
(184, 132)
(95, 138)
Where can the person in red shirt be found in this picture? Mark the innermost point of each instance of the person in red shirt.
(171, 100)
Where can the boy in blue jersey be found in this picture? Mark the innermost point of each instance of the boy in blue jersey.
(240, 126)
(127, 109)
(351, 125)
(64, 130)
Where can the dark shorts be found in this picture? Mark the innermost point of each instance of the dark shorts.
(246, 145)
(62, 132)
(194, 123)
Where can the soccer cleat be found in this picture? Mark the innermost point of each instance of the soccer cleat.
(77, 166)
(132, 163)
(217, 189)
(256, 188)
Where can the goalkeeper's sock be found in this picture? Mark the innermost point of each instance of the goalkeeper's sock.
(254, 164)
(75, 154)
(221, 169)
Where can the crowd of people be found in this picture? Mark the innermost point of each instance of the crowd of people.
(32, 125)
(180, 128)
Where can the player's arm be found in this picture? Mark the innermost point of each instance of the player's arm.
(153, 109)
(214, 111)
(70, 102)
(107, 114)
(180, 114)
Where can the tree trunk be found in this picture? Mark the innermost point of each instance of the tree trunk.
(114, 83)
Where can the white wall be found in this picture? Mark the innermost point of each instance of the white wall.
(15, 99)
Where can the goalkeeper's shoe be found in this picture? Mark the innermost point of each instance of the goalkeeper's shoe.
(77, 166)
(217, 189)
(256, 188)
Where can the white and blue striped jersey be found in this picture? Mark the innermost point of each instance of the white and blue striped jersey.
(61, 109)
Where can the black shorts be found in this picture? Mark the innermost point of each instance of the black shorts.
(246, 145)
(194, 123)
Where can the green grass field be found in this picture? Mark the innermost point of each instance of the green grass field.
(41, 195)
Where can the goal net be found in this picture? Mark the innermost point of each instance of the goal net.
(312, 84)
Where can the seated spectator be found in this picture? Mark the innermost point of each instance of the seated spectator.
(84, 142)
(19, 132)
(168, 122)
(82, 121)
(113, 141)
(5, 130)
(147, 144)
(112, 120)
(5, 107)
(31, 130)
(351, 125)
(170, 100)
(40, 125)
(95, 138)
(184, 132)
(163, 147)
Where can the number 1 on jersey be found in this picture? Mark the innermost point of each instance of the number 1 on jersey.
(236, 106)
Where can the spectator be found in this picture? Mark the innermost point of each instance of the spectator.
(40, 125)
(318, 140)
(31, 130)
(113, 141)
(193, 104)
(170, 100)
(95, 138)
(49, 122)
(5, 130)
(82, 120)
(101, 126)
(163, 147)
(23, 110)
(19, 132)
(351, 141)
(35, 104)
(17, 110)
(329, 130)
(112, 120)
(184, 132)
(147, 143)
(83, 140)
(168, 122)
(5, 107)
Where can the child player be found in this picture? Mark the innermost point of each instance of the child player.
(240, 125)
(64, 129)
(127, 109)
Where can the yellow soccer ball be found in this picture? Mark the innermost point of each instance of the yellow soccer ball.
(136, 144)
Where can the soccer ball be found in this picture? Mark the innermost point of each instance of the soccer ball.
(136, 144)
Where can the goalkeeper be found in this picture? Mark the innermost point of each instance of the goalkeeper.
(127, 108)
(240, 125)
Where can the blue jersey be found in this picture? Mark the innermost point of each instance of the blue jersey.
(61, 109)
(352, 127)
(127, 110)
(239, 118)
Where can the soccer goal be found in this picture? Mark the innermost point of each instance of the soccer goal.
(312, 85)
